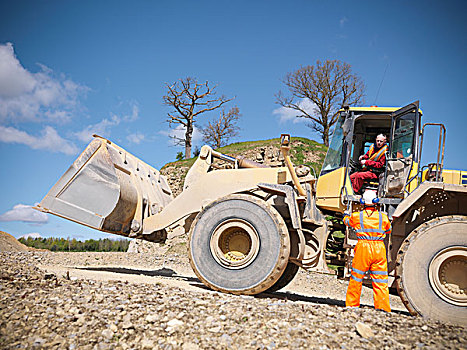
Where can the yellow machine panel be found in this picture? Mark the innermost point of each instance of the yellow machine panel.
(328, 190)
(455, 177)
(413, 172)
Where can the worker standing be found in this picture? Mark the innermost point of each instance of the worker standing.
(371, 226)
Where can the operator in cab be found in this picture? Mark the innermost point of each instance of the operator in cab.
(372, 162)
(371, 226)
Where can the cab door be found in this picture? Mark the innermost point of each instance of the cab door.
(403, 157)
(333, 182)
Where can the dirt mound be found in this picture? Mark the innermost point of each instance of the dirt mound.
(8, 243)
(266, 152)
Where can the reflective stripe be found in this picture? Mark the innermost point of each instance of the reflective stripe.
(380, 227)
(370, 230)
(383, 273)
(376, 280)
(359, 271)
(356, 278)
(370, 238)
(376, 156)
(379, 280)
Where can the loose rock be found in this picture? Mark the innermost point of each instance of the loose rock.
(87, 313)
(364, 330)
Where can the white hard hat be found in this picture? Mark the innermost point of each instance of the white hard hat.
(370, 198)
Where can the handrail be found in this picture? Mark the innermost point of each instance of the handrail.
(442, 135)
(439, 160)
(408, 182)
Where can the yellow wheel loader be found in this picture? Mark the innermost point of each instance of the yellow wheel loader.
(251, 227)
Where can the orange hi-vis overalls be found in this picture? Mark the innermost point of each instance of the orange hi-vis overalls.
(371, 227)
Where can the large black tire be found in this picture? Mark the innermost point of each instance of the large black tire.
(431, 270)
(291, 269)
(239, 244)
(289, 274)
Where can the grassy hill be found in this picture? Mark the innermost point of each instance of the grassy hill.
(303, 151)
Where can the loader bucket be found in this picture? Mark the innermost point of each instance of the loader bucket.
(108, 189)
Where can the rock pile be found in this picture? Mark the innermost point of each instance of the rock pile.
(268, 155)
(140, 246)
(175, 177)
(39, 310)
(8, 243)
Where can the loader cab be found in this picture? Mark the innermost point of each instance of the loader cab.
(354, 133)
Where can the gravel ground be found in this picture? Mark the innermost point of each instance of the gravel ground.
(141, 301)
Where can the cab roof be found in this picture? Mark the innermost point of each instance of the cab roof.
(376, 109)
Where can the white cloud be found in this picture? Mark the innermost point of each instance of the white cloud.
(25, 213)
(134, 113)
(15, 80)
(102, 129)
(343, 21)
(135, 138)
(289, 114)
(37, 97)
(43, 96)
(58, 116)
(179, 132)
(33, 235)
(48, 140)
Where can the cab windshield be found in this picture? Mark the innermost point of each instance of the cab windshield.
(333, 158)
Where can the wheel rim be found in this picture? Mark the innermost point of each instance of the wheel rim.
(234, 243)
(448, 275)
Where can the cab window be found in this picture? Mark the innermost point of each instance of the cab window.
(402, 143)
(366, 147)
(333, 158)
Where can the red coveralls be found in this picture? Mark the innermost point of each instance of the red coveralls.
(375, 159)
(372, 226)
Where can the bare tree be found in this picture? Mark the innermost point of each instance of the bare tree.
(189, 99)
(220, 131)
(328, 86)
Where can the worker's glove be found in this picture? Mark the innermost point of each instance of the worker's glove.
(363, 161)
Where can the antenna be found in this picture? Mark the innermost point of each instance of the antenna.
(380, 84)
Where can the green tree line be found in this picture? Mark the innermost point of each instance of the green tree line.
(73, 245)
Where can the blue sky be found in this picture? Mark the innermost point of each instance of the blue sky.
(69, 69)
